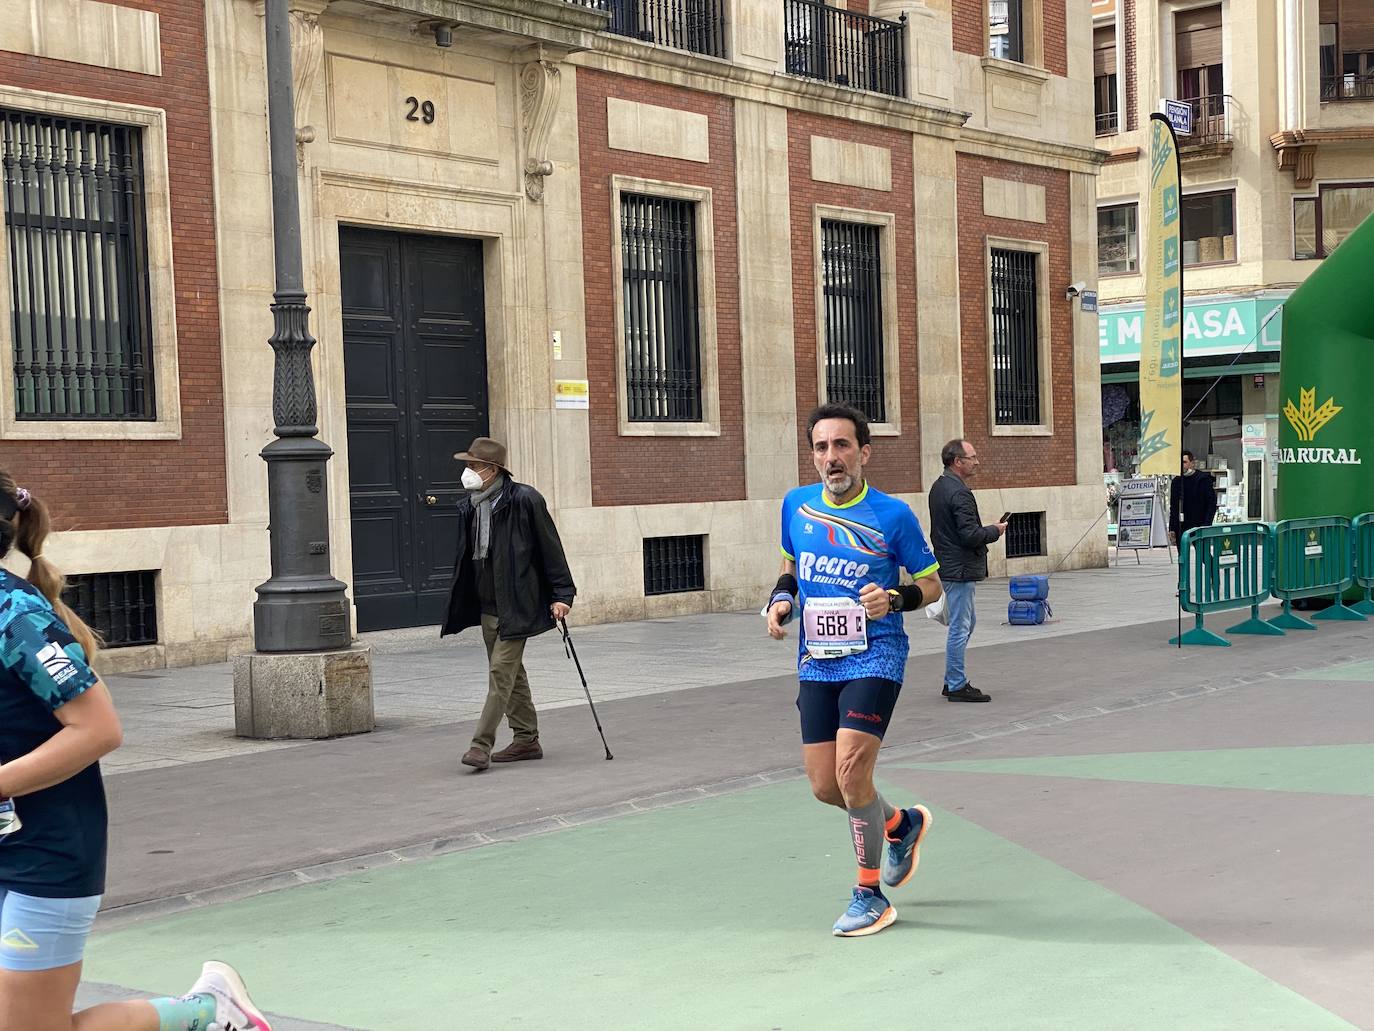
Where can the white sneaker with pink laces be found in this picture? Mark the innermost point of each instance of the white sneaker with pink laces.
(234, 1010)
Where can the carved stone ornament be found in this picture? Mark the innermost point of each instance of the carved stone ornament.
(307, 54)
(540, 83)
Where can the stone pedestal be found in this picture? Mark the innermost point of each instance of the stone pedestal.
(303, 694)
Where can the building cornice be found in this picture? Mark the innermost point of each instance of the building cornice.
(724, 78)
(1005, 147)
(554, 23)
(1297, 148)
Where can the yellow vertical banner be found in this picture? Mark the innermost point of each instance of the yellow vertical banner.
(1161, 345)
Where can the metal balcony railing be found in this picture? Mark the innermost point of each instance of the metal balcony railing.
(1108, 123)
(1348, 87)
(695, 25)
(848, 49)
(1211, 122)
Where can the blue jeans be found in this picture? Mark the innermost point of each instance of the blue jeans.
(962, 619)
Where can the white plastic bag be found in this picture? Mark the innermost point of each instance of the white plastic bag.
(937, 611)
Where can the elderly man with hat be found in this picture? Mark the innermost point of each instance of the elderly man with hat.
(510, 578)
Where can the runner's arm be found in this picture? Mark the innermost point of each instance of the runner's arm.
(878, 603)
(90, 729)
(925, 591)
(780, 609)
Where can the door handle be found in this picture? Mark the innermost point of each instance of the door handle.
(431, 500)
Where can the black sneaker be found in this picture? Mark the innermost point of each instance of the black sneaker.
(967, 693)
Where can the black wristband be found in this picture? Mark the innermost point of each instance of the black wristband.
(912, 597)
(787, 584)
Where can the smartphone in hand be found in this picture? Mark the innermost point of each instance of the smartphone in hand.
(1005, 517)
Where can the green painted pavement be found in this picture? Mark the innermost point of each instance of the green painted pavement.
(1357, 672)
(710, 915)
(1322, 769)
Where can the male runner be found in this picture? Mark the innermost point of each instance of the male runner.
(844, 545)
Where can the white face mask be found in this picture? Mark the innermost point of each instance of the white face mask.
(472, 479)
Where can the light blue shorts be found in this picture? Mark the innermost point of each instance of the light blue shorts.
(43, 934)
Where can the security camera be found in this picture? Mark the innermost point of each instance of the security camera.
(1074, 290)
(443, 34)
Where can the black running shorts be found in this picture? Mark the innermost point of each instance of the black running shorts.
(865, 704)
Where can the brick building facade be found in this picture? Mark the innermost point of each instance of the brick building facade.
(106, 479)
(637, 249)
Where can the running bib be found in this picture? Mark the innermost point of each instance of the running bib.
(835, 627)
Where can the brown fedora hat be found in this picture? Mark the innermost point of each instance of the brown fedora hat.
(484, 449)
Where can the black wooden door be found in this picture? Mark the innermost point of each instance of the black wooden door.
(415, 370)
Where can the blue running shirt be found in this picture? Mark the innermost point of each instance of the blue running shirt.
(59, 852)
(839, 549)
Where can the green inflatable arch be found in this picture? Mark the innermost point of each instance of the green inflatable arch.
(1326, 386)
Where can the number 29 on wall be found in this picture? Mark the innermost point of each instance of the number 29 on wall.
(420, 111)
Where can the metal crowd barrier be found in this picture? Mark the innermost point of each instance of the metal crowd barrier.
(1313, 558)
(1225, 567)
(1363, 529)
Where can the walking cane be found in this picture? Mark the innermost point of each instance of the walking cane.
(571, 652)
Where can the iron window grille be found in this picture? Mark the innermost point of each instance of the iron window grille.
(694, 25)
(658, 244)
(674, 565)
(1211, 123)
(844, 47)
(1349, 86)
(78, 256)
(120, 607)
(852, 290)
(1026, 534)
(1015, 337)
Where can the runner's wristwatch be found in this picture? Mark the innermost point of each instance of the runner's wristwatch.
(894, 599)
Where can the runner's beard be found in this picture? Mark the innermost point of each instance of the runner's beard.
(838, 483)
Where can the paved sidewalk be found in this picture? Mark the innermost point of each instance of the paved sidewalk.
(186, 715)
(1122, 816)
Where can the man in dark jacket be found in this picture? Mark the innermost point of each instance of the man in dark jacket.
(510, 578)
(960, 542)
(1192, 500)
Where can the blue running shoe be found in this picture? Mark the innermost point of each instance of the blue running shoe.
(901, 857)
(869, 913)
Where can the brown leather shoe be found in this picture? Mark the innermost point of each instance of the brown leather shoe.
(476, 758)
(518, 750)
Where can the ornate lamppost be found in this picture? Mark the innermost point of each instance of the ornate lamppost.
(304, 679)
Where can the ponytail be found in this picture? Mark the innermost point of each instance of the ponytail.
(26, 527)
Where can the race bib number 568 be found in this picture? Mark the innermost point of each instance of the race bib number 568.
(835, 627)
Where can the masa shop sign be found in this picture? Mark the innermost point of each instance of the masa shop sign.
(1209, 327)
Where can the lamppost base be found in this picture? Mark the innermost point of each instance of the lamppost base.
(303, 694)
(297, 615)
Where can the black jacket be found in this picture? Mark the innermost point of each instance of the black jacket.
(959, 540)
(1198, 496)
(529, 567)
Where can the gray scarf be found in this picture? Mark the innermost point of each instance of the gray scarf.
(482, 502)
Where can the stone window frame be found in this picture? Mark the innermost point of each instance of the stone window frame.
(1231, 189)
(161, 280)
(1167, 60)
(1124, 202)
(707, 333)
(1044, 428)
(886, 221)
(1032, 36)
(1313, 196)
(1117, 23)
